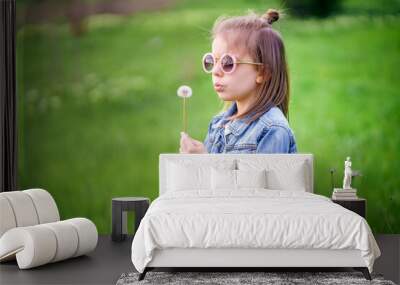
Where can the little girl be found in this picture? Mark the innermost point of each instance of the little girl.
(248, 68)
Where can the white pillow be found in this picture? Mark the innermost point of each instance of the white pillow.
(251, 178)
(227, 179)
(182, 177)
(289, 179)
(223, 179)
(292, 178)
(280, 174)
(190, 175)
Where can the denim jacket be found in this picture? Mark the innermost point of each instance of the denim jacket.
(270, 133)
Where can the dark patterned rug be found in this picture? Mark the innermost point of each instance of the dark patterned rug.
(229, 278)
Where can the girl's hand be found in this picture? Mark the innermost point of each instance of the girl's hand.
(190, 145)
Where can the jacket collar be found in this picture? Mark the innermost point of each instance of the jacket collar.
(238, 126)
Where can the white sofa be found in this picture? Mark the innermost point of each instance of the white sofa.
(31, 231)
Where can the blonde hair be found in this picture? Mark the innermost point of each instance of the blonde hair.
(265, 45)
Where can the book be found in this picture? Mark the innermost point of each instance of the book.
(336, 197)
(340, 190)
(345, 194)
(345, 199)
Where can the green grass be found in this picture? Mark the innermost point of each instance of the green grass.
(96, 111)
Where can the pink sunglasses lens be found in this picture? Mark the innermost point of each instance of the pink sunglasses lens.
(227, 63)
(208, 63)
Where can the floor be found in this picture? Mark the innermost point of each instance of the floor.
(110, 260)
(389, 262)
(103, 266)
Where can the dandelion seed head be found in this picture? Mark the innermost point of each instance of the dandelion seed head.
(184, 91)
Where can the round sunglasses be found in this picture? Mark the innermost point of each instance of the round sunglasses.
(228, 62)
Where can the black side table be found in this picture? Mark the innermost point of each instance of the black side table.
(120, 206)
(358, 205)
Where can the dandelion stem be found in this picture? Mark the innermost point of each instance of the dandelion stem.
(184, 115)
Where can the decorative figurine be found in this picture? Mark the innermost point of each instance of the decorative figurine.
(347, 174)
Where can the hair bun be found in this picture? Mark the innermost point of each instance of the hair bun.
(271, 16)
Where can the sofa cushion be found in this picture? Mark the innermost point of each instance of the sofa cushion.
(26, 208)
(45, 205)
(7, 220)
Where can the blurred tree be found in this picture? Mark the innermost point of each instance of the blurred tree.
(316, 8)
(78, 11)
